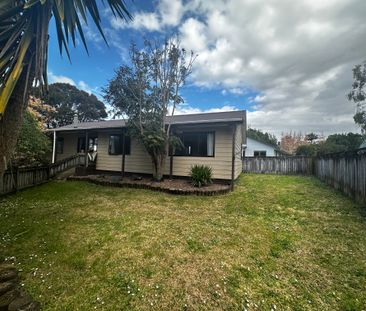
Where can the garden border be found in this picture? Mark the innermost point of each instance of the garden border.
(124, 184)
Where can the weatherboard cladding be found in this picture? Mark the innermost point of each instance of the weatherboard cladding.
(139, 161)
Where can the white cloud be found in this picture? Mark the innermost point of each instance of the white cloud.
(60, 79)
(171, 12)
(192, 33)
(168, 14)
(297, 55)
(186, 109)
(141, 20)
(82, 85)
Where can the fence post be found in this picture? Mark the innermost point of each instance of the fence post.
(2, 183)
(16, 179)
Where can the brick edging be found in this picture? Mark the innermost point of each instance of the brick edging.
(153, 188)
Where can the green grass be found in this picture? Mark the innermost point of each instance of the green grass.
(276, 240)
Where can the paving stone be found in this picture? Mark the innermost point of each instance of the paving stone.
(6, 286)
(8, 274)
(23, 303)
(7, 298)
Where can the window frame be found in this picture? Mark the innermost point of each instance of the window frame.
(82, 140)
(259, 155)
(197, 133)
(127, 141)
(60, 140)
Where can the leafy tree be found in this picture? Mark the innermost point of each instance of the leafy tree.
(344, 142)
(33, 146)
(147, 91)
(311, 137)
(358, 94)
(333, 144)
(329, 147)
(263, 137)
(291, 141)
(24, 26)
(67, 100)
(40, 110)
(307, 150)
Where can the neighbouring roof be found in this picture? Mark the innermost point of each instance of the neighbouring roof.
(276, 148)
(363, 145)
(267, 144)
(199, 118)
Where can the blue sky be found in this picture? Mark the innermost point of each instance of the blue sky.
(288, 63)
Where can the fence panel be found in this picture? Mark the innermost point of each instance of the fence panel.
(343, 171)
(278, 165)
(346, 173)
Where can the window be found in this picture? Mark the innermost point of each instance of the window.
(197, 144)
(93, 143)
(60, 145)
(115, 145)
(260, 153)
(81, 145)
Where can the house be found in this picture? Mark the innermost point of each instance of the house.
(257, 148)
(213, 139)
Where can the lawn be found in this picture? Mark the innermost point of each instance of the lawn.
(280, 242)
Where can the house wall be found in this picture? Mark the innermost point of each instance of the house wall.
(254, 145)
(70, 145)
(220, 163)
(139, 160)
(239, 140)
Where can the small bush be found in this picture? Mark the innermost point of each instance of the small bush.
(201, 175)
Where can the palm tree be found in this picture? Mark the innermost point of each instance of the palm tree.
(23, 51)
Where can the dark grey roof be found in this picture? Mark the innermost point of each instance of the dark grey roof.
(213, 117)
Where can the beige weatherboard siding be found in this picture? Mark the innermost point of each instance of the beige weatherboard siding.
(70, 145)
(225, 126)
(220, 162)
(139, 160)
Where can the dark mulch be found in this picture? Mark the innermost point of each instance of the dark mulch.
(175, 186)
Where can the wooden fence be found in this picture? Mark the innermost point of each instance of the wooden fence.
(20, 178)
(343, 171)
(278, 165)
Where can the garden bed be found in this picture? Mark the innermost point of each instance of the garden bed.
(174, 186)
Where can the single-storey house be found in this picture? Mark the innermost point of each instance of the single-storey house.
(213, 139)
(257, 148)
(363, 145)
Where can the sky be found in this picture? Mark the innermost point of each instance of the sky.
(288, 63)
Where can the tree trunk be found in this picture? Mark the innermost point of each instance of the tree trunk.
(11, 122)
(158, 166)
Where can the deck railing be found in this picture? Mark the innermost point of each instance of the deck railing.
(15, 179)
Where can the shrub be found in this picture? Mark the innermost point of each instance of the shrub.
(201, 175)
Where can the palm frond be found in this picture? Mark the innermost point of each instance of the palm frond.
(24, 35)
